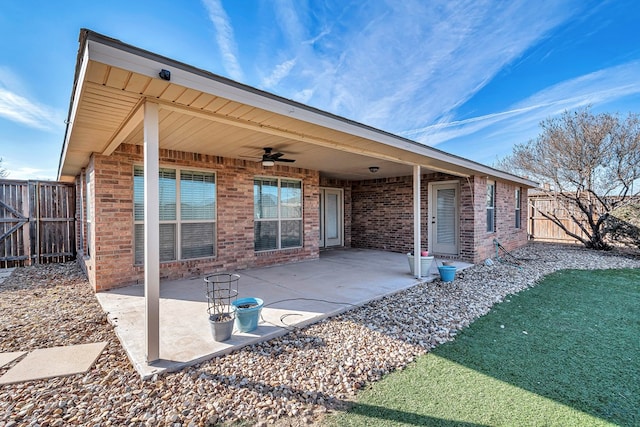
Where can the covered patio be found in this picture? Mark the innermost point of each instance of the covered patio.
(294, 295)
(180, 172)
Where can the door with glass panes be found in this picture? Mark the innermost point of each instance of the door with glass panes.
(331, 217)
(443, 218)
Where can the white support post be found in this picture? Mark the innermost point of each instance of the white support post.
(416, 222)
(151, 231)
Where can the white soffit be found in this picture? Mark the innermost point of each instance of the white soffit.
(114, 53)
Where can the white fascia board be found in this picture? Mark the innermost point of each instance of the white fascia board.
(149, 64)
(77, 92)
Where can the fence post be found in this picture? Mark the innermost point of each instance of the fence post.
(38, 237)
(26, 228)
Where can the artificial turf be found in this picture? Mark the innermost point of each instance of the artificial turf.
(565, 352)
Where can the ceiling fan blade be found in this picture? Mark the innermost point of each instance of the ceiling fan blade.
(268, 156)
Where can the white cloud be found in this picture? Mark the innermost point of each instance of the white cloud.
(20, 109)
(303, 96)
(24, 172)
(447, 54)
(445, 131)
(225, 38)
(13, 162)
(280, 72)
(597, 89)
(399, 65)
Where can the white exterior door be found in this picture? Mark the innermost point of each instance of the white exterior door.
(444, 218)
(331, 218)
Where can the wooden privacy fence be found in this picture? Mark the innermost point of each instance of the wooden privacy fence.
(543, 229)
(37, 222)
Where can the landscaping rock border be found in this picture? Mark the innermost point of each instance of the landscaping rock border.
(291, 380)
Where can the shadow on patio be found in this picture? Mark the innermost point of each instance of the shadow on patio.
(294, 295)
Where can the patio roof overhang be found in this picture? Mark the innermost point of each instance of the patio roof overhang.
(204, 113)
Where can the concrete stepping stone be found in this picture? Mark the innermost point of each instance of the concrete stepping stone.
(6, 358)
(5, 273)
(54, 362)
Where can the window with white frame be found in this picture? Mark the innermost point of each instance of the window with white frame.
(491, 206)
(89, 219)
(277, 213)
(187, 214)
(517, 201)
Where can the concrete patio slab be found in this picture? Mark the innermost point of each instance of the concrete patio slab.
(6, 358)
(54, 362)
(293, 294)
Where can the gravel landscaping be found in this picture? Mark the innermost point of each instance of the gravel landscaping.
(291, 380)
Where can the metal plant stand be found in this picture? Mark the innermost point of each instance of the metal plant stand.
(221, 291)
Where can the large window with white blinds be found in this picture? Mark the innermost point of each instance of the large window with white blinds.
(277, 209)
(187, 214)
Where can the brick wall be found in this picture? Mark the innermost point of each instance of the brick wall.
(382, 215)
(378, 214)
(505, 232)
(468, 219)
(112, 260)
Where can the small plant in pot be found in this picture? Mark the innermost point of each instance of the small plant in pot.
(221, 289)
(221, 325)
(426, 262)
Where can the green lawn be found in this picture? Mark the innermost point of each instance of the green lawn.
(565, 353)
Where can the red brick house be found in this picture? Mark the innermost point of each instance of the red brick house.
(191, 144)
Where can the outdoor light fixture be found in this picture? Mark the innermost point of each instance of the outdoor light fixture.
(165, 74)
(373, 169)
(268, 163)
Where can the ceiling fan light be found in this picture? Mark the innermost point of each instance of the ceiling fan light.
(268, 163)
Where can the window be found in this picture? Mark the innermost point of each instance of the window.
(87, 251)
(277, 213)
(187, 214)
(491, 206)
(517, 208)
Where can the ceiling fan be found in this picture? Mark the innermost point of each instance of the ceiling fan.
(269, 158)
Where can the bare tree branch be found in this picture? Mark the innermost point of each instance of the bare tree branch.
(3, 172)
(593, 162)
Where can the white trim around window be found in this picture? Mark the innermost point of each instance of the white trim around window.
(491, 206)
(89, 214)
(188, 212)
(278, 213)
(518, 208)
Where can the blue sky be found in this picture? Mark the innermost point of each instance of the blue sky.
(470, 77)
